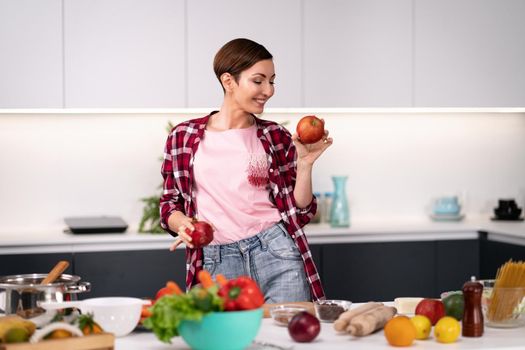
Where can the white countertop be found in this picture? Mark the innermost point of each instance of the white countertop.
(509, 339)
(372, 231)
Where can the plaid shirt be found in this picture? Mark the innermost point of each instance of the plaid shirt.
(179, 195)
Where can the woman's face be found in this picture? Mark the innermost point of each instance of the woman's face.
(255, 87)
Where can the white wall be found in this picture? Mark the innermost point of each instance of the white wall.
(53, 166)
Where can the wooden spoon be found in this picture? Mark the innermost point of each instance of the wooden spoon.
(60, 267)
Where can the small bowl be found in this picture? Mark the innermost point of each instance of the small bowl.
(282, 314)
(329, 310)
(118, 315)
(229, 330)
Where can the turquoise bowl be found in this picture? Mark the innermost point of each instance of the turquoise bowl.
(232, 330)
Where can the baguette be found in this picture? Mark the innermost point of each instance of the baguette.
(369, 322)
(344, 319)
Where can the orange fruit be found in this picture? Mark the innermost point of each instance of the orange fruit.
(400, 331)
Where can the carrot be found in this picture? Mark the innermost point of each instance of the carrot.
(221, 280)
(174, 287)
(205, 279)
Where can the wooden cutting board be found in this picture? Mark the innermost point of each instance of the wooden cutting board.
(307, 304)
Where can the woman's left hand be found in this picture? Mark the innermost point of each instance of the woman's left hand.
(308, 153)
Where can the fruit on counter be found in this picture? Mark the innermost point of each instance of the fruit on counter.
(87, 324)
(56, 330)
(447, 330)
(170, 288)
(304, 327)
(400, 331)
(17, 335)
(310, 129)
(12, 321)
(344, 319)
(241, 293)
(202, 235)
(423, 326)
(59, 334)
(454, 305)
(371, 321)
(431, 308)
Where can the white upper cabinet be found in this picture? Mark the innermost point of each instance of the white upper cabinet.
(469, 53)
(31, 54)
(124, 53)
(357, 53)
(276, 24)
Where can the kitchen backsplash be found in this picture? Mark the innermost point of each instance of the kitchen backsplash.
(57, 165)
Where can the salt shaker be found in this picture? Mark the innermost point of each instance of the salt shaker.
(472, 316)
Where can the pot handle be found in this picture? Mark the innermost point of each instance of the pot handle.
(78, 288)
(53, 305)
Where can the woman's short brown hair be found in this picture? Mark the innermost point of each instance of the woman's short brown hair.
(238, 55)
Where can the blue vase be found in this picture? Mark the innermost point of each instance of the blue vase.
(339, 212)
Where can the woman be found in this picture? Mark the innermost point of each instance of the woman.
(249, 178)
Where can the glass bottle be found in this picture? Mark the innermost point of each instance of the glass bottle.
(339, 212)
(327, 207)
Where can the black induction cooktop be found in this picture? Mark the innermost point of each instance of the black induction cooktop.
(95, 224)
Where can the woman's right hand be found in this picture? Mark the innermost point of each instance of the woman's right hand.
(181, 224)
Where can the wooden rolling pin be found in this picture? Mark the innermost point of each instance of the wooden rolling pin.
(60, 267)
(306, 304)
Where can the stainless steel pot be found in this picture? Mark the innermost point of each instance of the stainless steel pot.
(23, 293)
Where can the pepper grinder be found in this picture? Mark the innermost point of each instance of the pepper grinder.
(472, 316)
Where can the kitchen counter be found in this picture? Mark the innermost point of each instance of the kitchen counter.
(493, 339)
(373, 231)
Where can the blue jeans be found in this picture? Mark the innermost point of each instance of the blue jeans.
(271, 258)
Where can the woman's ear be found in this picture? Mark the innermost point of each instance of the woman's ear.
(227, 81)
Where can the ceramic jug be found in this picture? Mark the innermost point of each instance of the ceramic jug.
(339, 212)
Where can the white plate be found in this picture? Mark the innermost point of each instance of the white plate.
(444, 217)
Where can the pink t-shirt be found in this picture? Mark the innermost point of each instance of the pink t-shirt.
(231, 179)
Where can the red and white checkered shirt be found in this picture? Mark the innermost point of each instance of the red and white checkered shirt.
(178, 192)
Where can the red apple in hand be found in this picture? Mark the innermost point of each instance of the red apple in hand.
(431, 308)
(202, 235)
(310, 129)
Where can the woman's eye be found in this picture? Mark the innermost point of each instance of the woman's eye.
(257, 82)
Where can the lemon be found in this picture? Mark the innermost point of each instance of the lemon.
(16, 335)
(447, 330)
(423, 326)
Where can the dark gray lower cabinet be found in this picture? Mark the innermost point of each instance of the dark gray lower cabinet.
(17, 264)
(383, 271)
(356, 271)
(130, 273)
(494, 254)
(456, 262)
(362, 272)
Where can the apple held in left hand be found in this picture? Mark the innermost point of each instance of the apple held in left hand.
(311, 139)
